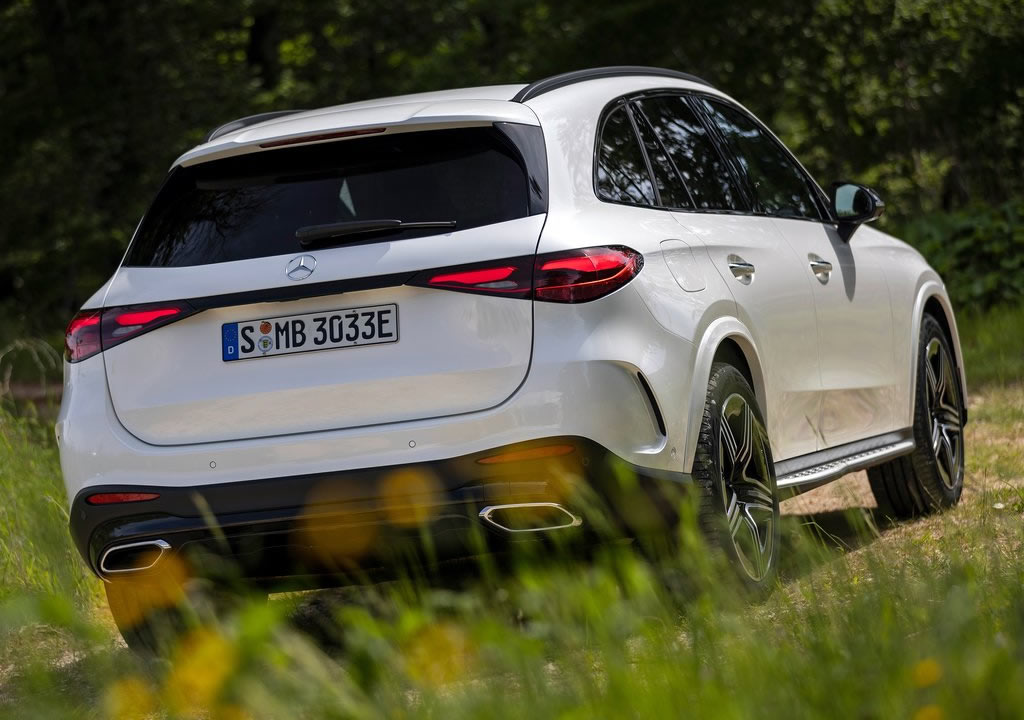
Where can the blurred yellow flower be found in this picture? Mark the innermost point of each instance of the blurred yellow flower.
(926, 673)
(409, 497)
(438, 654)
(163, 588)
(202, 663)
(929, 712)
(230, 712)
(129, 698)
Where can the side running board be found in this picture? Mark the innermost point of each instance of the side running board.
(814, 469)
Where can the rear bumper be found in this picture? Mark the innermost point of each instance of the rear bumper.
(584, 381)
(368, 522)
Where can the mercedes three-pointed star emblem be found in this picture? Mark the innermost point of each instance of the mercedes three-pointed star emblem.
(301, 267)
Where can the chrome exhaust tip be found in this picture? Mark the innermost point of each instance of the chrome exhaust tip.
(133, 557)
(529, 517)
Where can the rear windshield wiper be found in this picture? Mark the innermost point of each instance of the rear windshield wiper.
(312, 234)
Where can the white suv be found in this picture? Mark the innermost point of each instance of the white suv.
(463, 312)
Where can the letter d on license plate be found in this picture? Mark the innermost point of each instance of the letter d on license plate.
(371, 325)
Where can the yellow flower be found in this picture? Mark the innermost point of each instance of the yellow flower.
(929, 712)
(230, 712)
(203, 662)
(438, 654)
(129, 699)
(926, 673)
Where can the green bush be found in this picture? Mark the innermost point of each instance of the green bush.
(978, 252)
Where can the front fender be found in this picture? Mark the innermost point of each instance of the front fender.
(931, 288)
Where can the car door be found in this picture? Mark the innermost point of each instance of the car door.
(851, 296)
(773, 298)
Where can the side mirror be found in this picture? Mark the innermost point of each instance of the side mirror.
(853, 204)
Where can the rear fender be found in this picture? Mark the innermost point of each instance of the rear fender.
(725, 328)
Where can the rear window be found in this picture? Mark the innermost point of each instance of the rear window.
(250, 206)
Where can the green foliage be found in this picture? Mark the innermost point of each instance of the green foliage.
(922, 98)
(979, 252)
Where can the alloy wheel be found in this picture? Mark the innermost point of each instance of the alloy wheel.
(748, 487)
(944, 406)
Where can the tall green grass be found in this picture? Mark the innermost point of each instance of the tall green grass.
(924, 620)
(993, 345)
(35, 549)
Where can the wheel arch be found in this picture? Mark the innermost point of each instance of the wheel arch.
(726, 339)
(932, 300)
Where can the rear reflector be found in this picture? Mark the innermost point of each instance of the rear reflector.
(121, 497)
(529, 454)
(573, 276)
(92, 331)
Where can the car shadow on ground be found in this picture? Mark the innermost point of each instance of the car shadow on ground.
(816, 538)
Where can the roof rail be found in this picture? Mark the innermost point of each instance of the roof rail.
(246, 122)
(554, 82)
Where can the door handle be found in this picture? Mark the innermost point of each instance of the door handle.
(741, 269)
(821, 268)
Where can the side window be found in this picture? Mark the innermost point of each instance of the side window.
(622, 174)
(780, 185)
(671, 191)
(696, 158)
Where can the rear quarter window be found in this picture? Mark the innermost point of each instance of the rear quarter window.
(250, 206)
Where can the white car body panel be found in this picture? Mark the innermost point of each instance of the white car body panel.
(590, 396)
(456, 352)
(778, 310)
(563, 370)
(854, 332)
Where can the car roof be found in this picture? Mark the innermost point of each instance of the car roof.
(481, 104)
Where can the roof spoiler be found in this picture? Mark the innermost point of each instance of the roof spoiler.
(246, 122)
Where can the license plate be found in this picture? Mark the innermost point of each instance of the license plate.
(372, 325)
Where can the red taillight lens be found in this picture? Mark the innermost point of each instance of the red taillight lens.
(582, 275)
(94, 330)
(120, 497)
(82, 338)
(573, 276)
(511, 278)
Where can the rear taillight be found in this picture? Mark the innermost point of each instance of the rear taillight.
(511, 278)
(573, 276)
(582, 275)
(92, 331)
(82, 338)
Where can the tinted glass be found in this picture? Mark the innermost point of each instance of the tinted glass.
(621, 168)
(691, 148)
(780, 185)
(671, 191)
(250, 206)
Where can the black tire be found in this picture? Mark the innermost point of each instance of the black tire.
(735, 477)
(932, 477)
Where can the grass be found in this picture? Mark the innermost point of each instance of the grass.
(921, 620)
(993, 346)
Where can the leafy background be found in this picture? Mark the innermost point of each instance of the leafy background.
(922, 99)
